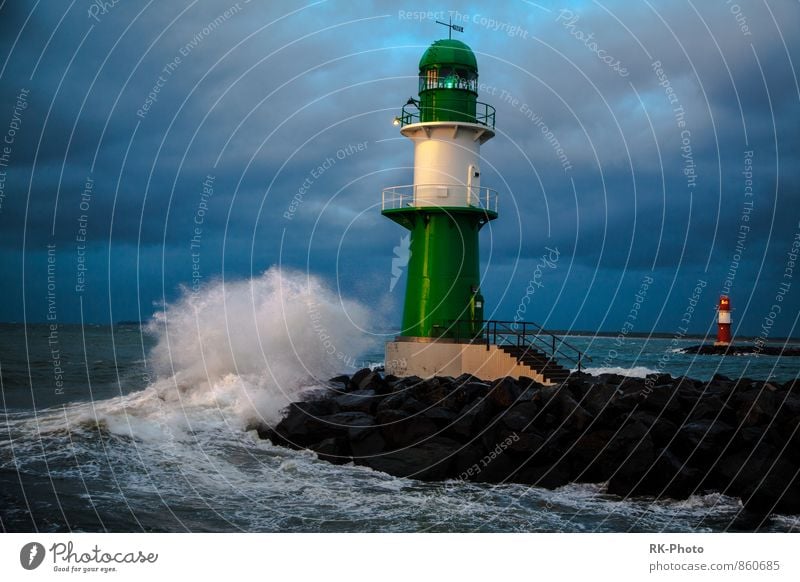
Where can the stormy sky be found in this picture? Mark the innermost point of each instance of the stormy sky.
(150, 146)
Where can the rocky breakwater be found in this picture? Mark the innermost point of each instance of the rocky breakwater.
(659, 436)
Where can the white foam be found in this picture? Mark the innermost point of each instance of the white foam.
(231, 354)
(634, 372)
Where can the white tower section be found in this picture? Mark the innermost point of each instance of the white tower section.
(447, 164)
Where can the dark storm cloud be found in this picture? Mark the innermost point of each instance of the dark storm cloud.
(149, 100)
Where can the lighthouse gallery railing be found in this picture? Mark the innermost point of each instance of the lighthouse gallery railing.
(484, 114)
(516, 333)
(450, 195)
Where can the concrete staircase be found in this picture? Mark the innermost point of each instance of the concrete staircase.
(546, 365)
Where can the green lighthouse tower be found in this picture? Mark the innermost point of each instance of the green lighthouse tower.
(446, 205)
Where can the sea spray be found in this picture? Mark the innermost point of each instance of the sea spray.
(253, 346)
(231, 355)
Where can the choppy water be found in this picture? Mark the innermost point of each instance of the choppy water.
(149, 431)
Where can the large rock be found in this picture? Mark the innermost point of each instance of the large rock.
(361, 379)
(504, 392)
(470, 421)
(305, 422)
(520, 417)
(662, 400)
(600, 397)
(401, 429)
(433, 460)
(777, 490)
(702, 441)
(401, 401)
(628, 477)
(590, 456)
(358, 401)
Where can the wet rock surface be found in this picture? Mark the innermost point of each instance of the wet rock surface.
(656, 436)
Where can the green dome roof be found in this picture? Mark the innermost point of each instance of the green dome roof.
(448, 52)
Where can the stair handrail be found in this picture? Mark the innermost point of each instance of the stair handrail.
(496, 332)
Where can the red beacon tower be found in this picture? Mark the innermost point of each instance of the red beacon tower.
(724, 322)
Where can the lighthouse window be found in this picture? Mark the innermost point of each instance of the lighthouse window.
(448, 78)
(432, 78)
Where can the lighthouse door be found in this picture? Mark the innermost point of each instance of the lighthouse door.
(473, 185)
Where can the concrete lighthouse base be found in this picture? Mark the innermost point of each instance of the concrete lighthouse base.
(427, 359)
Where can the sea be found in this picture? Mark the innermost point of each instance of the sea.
(140, 428)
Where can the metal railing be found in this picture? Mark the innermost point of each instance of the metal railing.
(445, 195)
(515, 333)
(484, 114)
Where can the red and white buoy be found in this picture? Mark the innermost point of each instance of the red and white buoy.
(724, 321)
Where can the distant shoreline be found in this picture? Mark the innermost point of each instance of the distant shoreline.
(558, 332)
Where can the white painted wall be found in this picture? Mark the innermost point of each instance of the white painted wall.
(443, 158)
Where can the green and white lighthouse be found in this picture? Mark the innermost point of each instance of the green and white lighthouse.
(443, 329)
(446, 205)
(444, 208)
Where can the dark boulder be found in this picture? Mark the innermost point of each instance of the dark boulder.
(367, 443)
(710, 407)
(702, 441)
(599, 397)
(400, 401)
(520, 417)
(305, 422)
(662, 429)
(441, 417)
(335, 450)
(471, 421)
(590, 456)
(777, 490)
(628, 477)
(361, 379)
(358, 401)
(433, 460)
(662, 399)
(504, 393)
(401, 429)
(343, 380)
